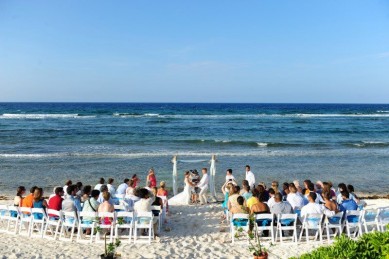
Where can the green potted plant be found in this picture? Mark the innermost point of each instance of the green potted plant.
(255, 246)
(110, 249)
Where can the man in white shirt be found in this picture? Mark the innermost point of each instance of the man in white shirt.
(311, 188)
(295, 199)
(121, 190)
(271, 201)
(111, 189)
(144, 205)
(203, 185)
(98, 186)
(250, 177)
(312, 207)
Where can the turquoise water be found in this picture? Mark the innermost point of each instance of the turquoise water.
(47, 143)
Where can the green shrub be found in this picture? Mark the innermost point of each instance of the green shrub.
(371, 245)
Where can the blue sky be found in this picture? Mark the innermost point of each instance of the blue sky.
(195, 51)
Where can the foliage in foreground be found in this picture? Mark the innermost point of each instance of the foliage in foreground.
(370, 245)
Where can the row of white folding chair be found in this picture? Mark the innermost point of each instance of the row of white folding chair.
(239, 225)
(383, 218)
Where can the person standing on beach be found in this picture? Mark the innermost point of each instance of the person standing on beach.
(203, 185)
(151, 179)
(250, 177)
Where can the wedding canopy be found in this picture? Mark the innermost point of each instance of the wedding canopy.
(212, 173)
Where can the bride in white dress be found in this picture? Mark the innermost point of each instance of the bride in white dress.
(183, 198)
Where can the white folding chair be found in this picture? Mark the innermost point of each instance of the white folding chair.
(239, 223)
(119, 207)
(25, 220)
(68, 223)
(370, 220)
(353, 222)
(3, 217)
(287, 222)
(265, 222)
(334, 222)
(124, 220)
(106, 222)
(383, 218)
(13, 218)
(53, 222)
(86, 220)
(157, 210)
(38, 221)
(144, 220)
(312, 222)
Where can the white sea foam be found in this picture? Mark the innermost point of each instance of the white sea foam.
(41, 116)
(262, 144)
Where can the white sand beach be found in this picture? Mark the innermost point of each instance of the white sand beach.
(191, 232)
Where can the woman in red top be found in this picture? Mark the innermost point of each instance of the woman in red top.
(151, 179)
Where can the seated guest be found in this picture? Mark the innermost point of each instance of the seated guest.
(144, 205)
(327, 188)
(39, 202)
(285, 190)
(53, 194)
(305, 190)
(239, 208)
(157, 202)
(295, 199)
(103, 189)
(329, 203)
(101, 182)
(312, 206)
(80, 190)
(311, 188)
(233, 196)
(91, 205)
(280, 207)
(245, 192)
(271, 201)
(130, 189)
(351, 191)
(342, 187)
(319, 187)
(263, 192)
(275, 185)
(259, 207)
(253, 199)
(67, 184)
(105, 206)
(19, 196)
(111, 188)
(298, 187)
(71, 202)
(135, 196)
(86, 193)
(347, 203)
(28, 201)
(121, 190)
(55, 202)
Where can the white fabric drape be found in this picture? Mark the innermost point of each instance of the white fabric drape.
(174, 161)
(212, 174)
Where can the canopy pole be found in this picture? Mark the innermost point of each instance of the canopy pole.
(174, 161)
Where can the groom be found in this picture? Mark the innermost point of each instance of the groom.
(203, 185)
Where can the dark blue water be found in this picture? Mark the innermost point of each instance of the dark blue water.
(46, 143)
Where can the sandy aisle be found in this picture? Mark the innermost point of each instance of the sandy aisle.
(195, 232)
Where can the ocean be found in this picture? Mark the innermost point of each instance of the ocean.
(45, 144)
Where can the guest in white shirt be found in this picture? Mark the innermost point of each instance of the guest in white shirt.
(312, 207)
(144, 205)
(111, 189)
(121, 190)
(65, 187)
(203, 185)
(311, 189)
(295, 199)
(98, 186)
(271, 201)
(250, 177)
